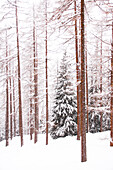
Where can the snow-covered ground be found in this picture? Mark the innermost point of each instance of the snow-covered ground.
(60, 154)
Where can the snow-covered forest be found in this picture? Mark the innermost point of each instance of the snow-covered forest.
(56, 73)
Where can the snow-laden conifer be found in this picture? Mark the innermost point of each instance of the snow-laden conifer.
(64, 116)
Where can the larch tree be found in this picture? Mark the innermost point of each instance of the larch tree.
(35, 80)
(19, 76)
(83, 125)
(31, 104)
(46, 55)
(86, 77)
(14, 108)
(87, 99)
(7, 97)
(111, 142)
(77, 73)
(101, 114)
(11, 113)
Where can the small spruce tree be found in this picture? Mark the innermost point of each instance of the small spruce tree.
(64, 116)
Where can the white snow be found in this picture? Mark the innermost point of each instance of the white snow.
(60, 154)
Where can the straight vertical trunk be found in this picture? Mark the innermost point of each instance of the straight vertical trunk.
(46, 52)
(14, 107)
(11, 132)
(87, 94)
(111, 142)
(86, 64)
(83, 126)
(19, 79)
(35, 79)
(7, 100)
(31, 126)
(91, 88)
(31, 116)
(80, 73)
(101, 84)
(77, 74)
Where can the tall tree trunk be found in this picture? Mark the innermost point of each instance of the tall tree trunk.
(7, 99)
(14, 107)
(86, 76)
(11, 132)
(83, 126)
(111, 142)
(35, 79)
(31, 116)
(77, 74)
(92, 85)
(101, 84)
(19, 79)
(80, 73)
(87, 93)
(46, 52)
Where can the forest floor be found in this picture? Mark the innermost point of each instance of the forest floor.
(60, 154)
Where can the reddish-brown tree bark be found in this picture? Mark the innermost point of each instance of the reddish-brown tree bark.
(87, 93)
(83, 126)
(101, 114)
(111, 142)
(11, 130)
(31, 116)
(19, 78)
(80, 73)
(7, 99)
(46, 52)
(35, 80)
(77, 74)
(14, 107)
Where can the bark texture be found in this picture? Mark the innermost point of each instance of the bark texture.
(83, 126)
(87, 94)
(11, 118)
(46, 52)
(77, 74)
(111, 142)
(7, 99)
(19, 78)
(101, 113)
(35, 80)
